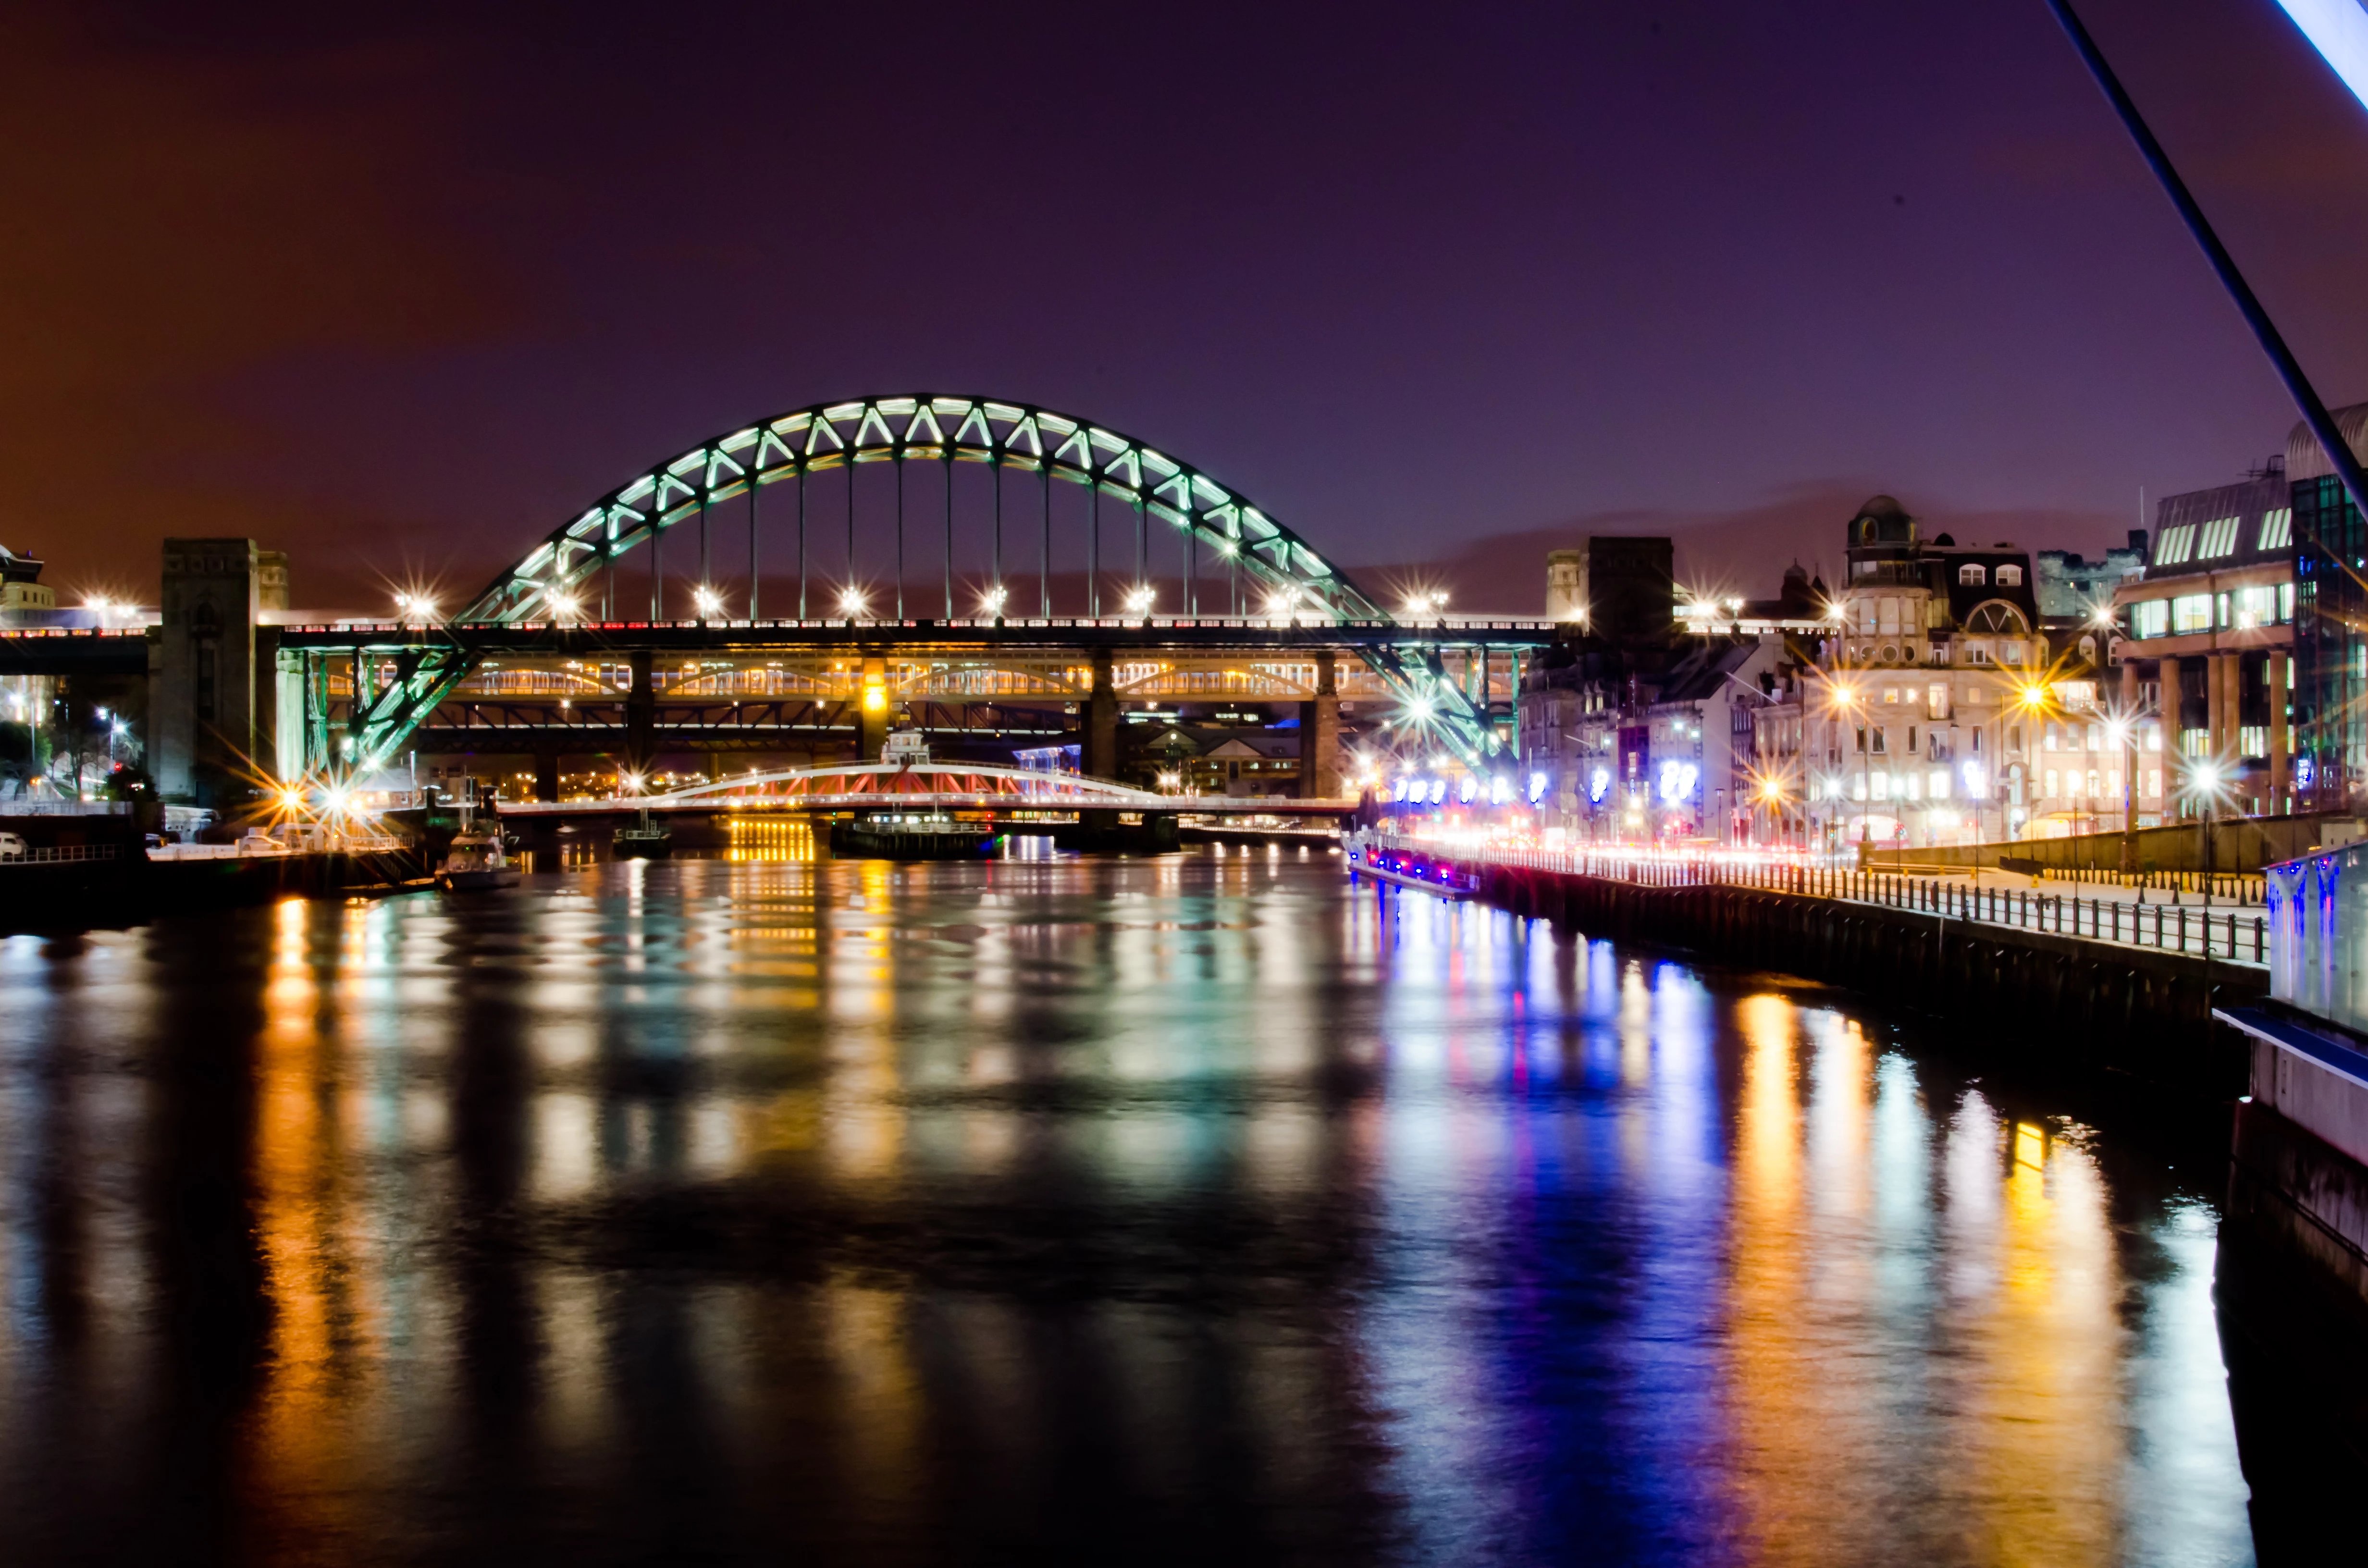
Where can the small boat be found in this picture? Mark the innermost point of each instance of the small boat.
(911, 836)
(478, 859)
(644, 840)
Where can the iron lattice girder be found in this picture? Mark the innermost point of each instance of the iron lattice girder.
(540, 590)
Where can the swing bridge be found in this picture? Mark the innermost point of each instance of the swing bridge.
(958, 565)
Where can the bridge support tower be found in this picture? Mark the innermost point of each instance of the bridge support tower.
(874, 711)
(1097, 751)
(640, 717)
(1319, 730)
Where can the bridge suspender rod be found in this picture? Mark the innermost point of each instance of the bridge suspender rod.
(1142, 546)
(995, 471)
(706, 557)
(900, 537)
(1044, 543)
(850, 523)
(755, 473)
(948, 454)
(1093, 539)
(801, 541)
(657, 575)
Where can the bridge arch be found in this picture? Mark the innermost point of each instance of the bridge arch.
(550, 584)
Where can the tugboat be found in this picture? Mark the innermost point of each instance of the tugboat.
(478, 859)
(644, 840)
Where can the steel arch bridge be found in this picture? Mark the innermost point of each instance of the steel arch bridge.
(549, 586)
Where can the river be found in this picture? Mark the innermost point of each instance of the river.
(1200, 1208)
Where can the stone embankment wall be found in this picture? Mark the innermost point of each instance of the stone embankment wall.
(2069, 998)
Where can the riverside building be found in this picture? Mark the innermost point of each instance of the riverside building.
(1920, 715)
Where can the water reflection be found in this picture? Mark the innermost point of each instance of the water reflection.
(1179, 1209)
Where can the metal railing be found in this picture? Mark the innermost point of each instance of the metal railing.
(2230, 935)
(54, 854)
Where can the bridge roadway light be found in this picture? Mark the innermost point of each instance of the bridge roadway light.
(708, 600)
(992, 601)
(851, 603)
(1138, 602)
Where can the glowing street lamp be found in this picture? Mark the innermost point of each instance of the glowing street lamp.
(1138, 599)
(851, 602)
(992, 601)
(415, 610)
(708, 600)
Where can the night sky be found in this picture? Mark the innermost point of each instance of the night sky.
(399, 293)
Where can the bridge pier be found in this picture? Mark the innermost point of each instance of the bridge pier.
(1097, 754)
(873, 712)
(641, 715)
(1319, 732)
(546, 775)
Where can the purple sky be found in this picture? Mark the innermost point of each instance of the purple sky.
(401, 294)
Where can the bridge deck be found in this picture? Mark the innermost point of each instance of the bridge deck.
(1205, 631)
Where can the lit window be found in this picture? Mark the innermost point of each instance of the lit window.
(1972, 576)
(2010, 576)
(2053, 779)
(2175, 547)
(2218, 539)
(2277, 529)
(2191, 612)
(2150, 617)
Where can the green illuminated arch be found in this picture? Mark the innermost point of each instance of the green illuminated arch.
(544, 586)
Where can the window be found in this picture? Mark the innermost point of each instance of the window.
(2010, 653)
(1937, 784)
(2053, 736)
(2014, 737)
(2175, 547)
(2053, 779)
(2191, 612)
(2154, 735)
(1994, 616)
(1891, 694)
(2010, 576)
(2154, 782)
(1972, 576)
(2258, 606)
(2218, 539)
(1890, 654)
(1936, 700)
(2150, 617)
(2277, 529)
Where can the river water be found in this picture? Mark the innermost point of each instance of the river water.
(1203, 1207)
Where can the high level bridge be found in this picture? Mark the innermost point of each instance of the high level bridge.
(834, 571)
